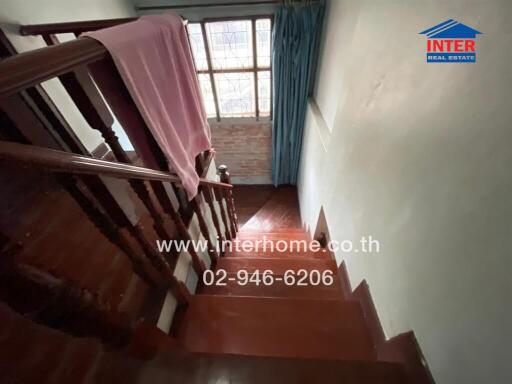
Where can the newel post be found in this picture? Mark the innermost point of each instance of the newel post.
(228, 195)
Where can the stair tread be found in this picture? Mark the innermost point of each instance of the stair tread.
(277, 289)
(275, 264)
(244, 230)
(260, 254)
(201, 367)
(280, 327)
(273, 236)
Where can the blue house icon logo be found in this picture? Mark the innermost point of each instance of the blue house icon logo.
(451, 42)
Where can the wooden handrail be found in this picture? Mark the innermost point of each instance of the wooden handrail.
(66, 162)
(73, 27)
(33, 67)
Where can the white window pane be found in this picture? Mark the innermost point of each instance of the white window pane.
(206, 89)
(263, 39)
(235, 92)
(230, 44)
(264, 93)
(197, 44)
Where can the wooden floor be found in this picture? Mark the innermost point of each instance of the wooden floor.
(280, 212)
(249, 199)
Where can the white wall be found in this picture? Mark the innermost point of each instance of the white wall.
(418, 155)
(16, 12)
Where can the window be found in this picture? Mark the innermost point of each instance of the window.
(232, 59)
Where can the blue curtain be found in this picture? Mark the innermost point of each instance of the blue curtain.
(295, 41)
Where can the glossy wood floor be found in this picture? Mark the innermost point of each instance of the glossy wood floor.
(250, 199)
(272, 209)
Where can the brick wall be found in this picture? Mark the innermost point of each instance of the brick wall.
(246, 148)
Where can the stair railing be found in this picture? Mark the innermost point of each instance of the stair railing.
(73, 168)
(50, 34)
(73, 63)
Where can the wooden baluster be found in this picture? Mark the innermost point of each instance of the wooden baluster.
(228, 195)
(110, 205)
(199, 164)
(90, 103)
(112, 86)
(184, 208)
(218, 194)
(212, 252)
(209, 197)
(201, 170)
(177, 288)
(40, 103)
(163, 198)
(50, 39)
(88, 100)
(106, 226)
(114, 89)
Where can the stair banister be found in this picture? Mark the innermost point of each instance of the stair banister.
(71, 62)
(33, 67)
(69, 165)
(228, 195)
(75, 27)
(66, 162)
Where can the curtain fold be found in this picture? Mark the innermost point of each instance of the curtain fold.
(294, 50)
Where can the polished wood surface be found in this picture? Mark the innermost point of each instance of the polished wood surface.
(228, 196)
(33, 67)
(277, 289)
(45, 107)
(67, 243)
(60, 161)
(32, 353)
(277, 265)
(280, 211)
(250, 199)
(72, 27)
(278, 327)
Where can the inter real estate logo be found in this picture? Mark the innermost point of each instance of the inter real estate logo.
(451, 42)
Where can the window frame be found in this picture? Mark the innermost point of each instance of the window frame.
(254, 70)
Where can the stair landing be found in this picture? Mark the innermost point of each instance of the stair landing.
(280, 211)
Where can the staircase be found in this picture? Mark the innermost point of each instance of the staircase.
(229, 333)
(292, 328)
(83, 318)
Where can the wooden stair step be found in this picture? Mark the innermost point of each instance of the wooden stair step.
(280, 211)
(272, 236)
(182, 367)
(244, 230)
(277, 265)
(78, 361)
(324, 255)
(34, 353)
(277, 289)
(276, 327)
